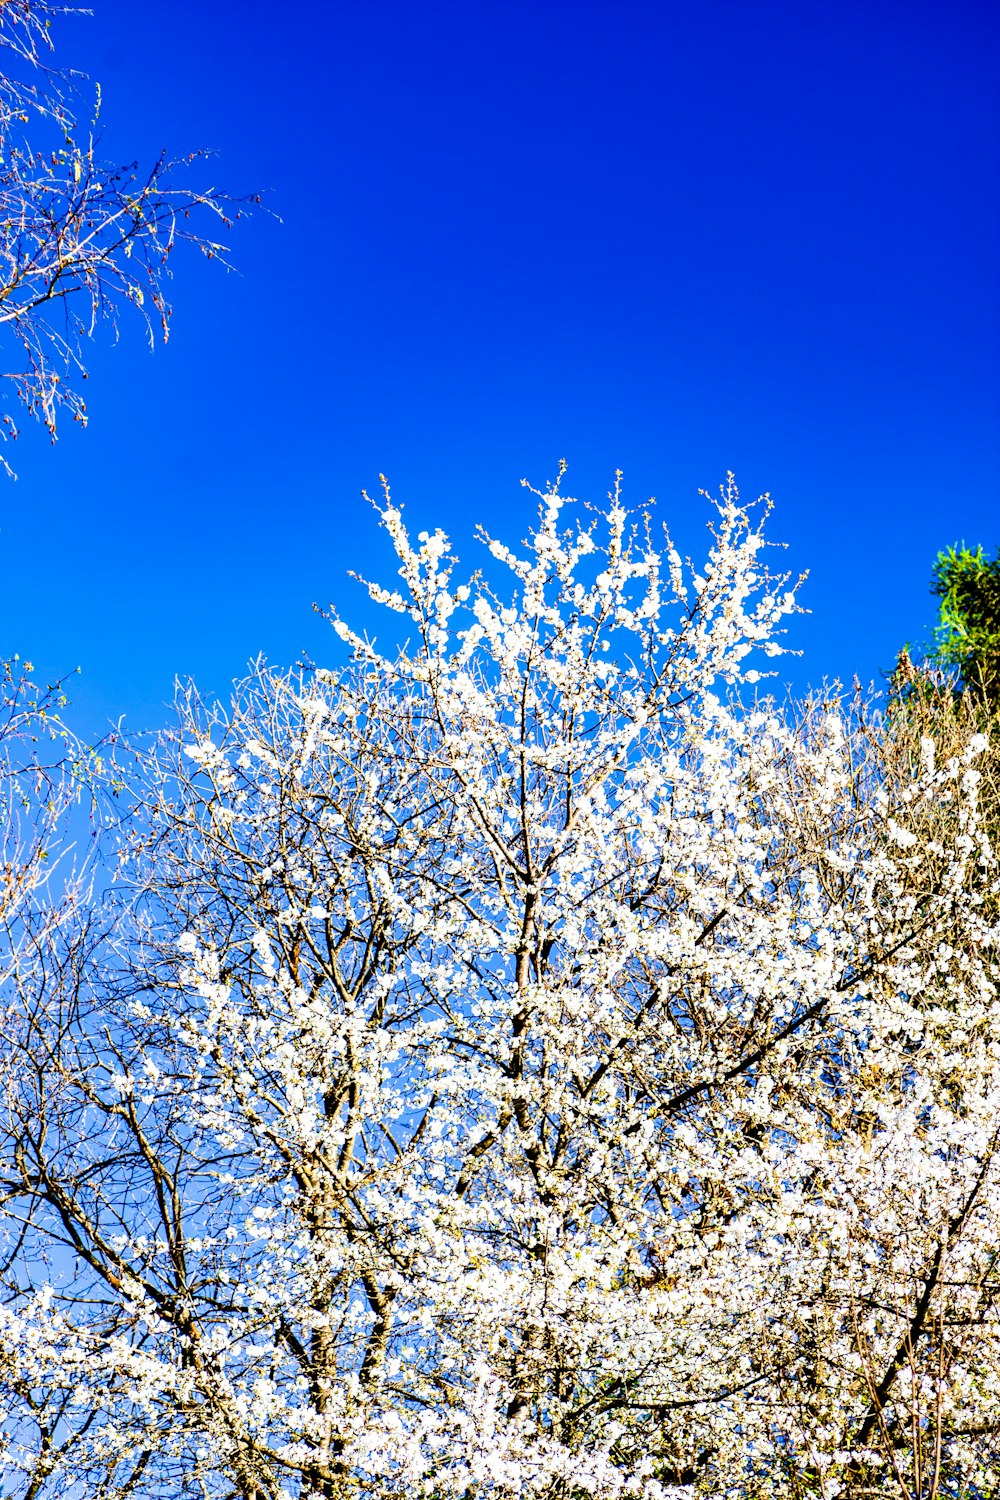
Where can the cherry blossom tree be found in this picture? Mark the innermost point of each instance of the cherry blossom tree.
(81, 238)
(524, 1064)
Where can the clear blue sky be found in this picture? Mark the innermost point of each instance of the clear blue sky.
(672, 238)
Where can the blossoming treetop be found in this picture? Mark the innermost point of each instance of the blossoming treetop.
(517, 1066)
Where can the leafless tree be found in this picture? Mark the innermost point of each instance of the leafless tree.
(41, 775)
(80, 238)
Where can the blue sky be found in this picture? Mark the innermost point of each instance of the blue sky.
(671, 238)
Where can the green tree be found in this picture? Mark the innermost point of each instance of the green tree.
(967, 582)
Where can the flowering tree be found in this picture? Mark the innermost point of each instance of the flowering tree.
(36, 789)
(80, 238)
(517, 1067)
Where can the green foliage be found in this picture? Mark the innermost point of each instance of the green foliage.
(968, 632)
